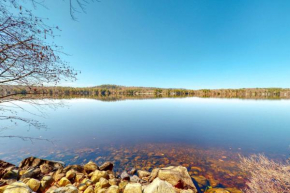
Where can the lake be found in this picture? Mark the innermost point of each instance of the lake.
(204, 134)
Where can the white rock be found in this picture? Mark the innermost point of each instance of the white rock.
(159, 186)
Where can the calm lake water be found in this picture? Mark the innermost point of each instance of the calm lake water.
(207, 133)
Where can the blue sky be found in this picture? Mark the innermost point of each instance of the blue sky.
(177, 43)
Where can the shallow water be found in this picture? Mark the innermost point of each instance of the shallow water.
(205, 133)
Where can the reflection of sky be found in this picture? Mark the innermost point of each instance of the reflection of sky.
(261, 125)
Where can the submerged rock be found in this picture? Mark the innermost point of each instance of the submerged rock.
(201, 181)
(217, 190)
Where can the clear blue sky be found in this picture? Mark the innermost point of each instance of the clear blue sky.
(177, 43)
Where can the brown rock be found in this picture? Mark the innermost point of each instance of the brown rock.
(96, 175)
(58, 175)
(125, 176)
(89, 189)
(64, 181)
(45, 168)
(143, 173)
(107, 166)
(133, 188)
(33, 184)
(90, 167)
(37, 162)
(17, 187)
(45, 183)
(113, 189)
(32, 173)
(70, 174)
(217, 190)
(5, 167)
(177, 176)
(104, 183)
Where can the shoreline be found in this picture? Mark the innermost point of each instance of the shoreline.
(39, 175)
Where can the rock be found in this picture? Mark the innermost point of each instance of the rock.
(159, 186)
(90, 167)
(77, 168)
(133, 188)
(79, 177)
(82, 187)
(51, 189)
(25, 180)
(67, 189)
(70, 174)
(113, 189)
(201, 181)
(5, 167)
(97, 175)
(135, 179)
(103, 190)
(107, 166)
(186, 191)
(63, 182)
(111, 176)
(37, 162)
(33, 184)
(104, 183)
(89, 189)
(123, 184)
(2, 188)
(113, 181)
(154, 174)
(234, 190)
(32, 173)
(10, 177)
(17, 187)
(143, 173)
(132, 171)
(217, 190)
(45, 183)
(97, 186)
(87, 182)
(45, 168)
(125, 176)
(58, 175)
(177, 176)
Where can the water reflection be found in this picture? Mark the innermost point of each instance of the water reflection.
(204, 134)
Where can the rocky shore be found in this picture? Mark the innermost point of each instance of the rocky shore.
(44, 176)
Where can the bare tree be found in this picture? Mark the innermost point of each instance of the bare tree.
(28, 58)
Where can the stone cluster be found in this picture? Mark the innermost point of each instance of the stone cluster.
(44, 176)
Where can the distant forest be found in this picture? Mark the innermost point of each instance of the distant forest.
(116, 90)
